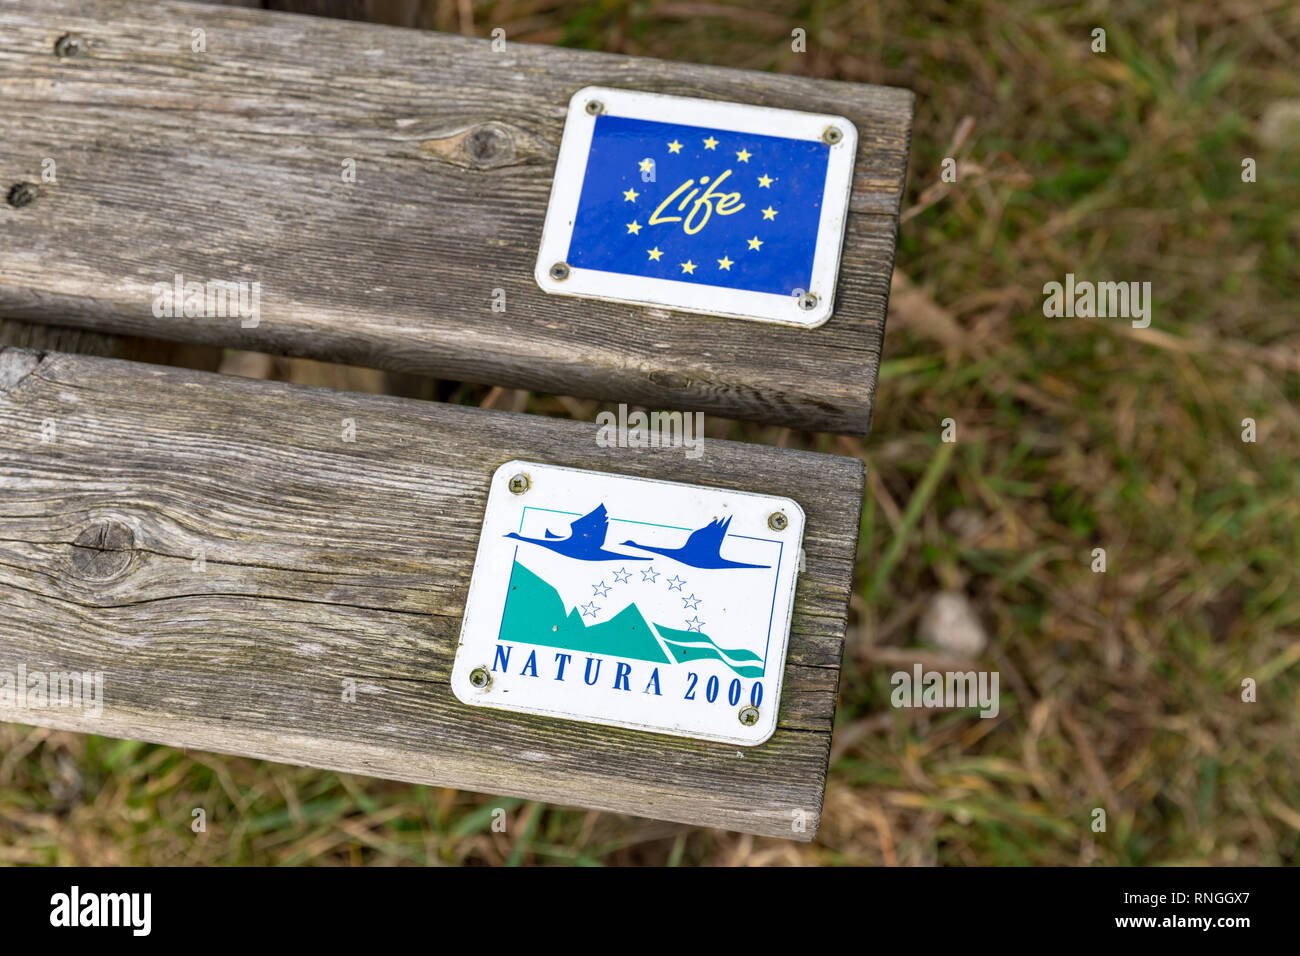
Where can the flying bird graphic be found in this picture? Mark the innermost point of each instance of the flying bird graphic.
(586, 540)
(703, 549)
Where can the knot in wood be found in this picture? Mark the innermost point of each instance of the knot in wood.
(488, 145)
(482, 146)
(103, 550)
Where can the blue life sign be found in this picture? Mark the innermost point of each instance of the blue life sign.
(704, 206)
(700, 205)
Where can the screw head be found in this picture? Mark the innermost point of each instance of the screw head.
(560, 271)
(70, 44)
(595, 107)
(832, 135)
(479, 677)
(519, 483)
(21, 194)
(749, 715)
(808, 301)
(777, 521)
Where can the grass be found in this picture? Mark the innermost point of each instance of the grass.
(1120, 690)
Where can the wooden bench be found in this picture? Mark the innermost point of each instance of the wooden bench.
(216, 548)
(228, 164)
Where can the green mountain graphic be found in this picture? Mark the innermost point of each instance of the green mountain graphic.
(534, 614)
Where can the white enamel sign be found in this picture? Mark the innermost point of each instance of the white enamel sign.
(632, 602)
(700, 205)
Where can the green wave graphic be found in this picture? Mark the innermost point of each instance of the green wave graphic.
(685, 646)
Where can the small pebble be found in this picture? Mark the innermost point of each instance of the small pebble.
(951, 625)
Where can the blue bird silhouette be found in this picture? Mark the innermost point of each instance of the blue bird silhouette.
(586, 540)
(703, 549)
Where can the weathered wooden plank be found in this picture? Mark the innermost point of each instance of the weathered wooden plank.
(326, 560)
(56, 338)
(227, 165)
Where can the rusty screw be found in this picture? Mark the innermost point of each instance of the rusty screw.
(70, 44)
(479, 677)
(777, 521)
(21, 194)
(519, 484)
(832, 135)
(749, 715)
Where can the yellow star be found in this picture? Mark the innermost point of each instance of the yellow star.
(647, 164)
(766, 181)
(634, 227)
(655, 253)
(769, 213)
(629, 195)
(674, 147)
(743, 156)
(710, 143)
(688, 267)
(725, 263)
(755, 242)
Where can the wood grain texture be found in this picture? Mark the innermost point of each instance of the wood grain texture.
(327, 560)
(227, 165)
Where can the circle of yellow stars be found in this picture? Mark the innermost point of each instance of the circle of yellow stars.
(725, 263)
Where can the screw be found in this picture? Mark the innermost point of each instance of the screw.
(832, 135)
(808, 301)
(519, 484)
(595, 107)
(70, 44)
(21, 194)
(479, 677)
(560, 271)
(777, 521)
(749, 715)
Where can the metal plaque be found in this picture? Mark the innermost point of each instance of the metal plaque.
(632, 602)
(699, 205)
